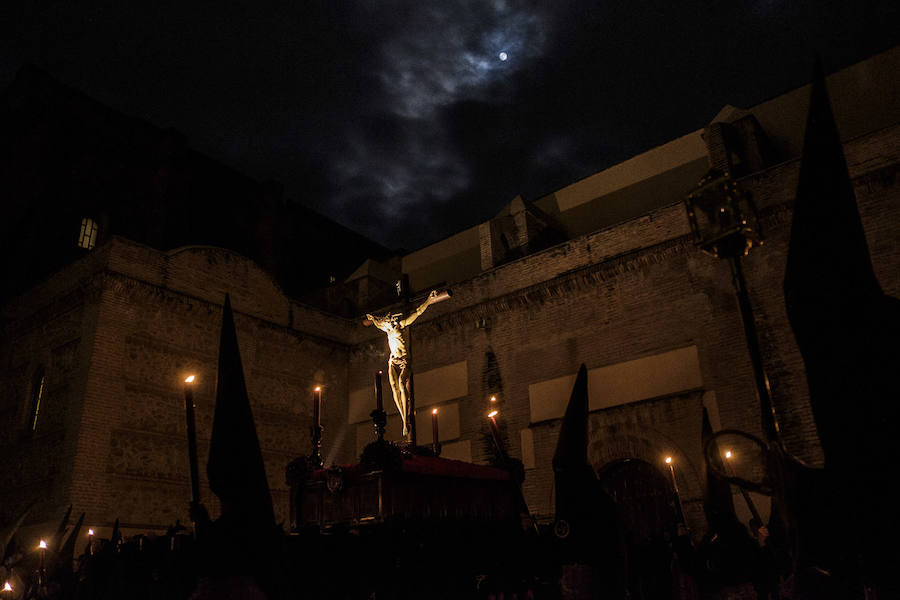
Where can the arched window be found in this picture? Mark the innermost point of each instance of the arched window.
(90, 229)
(37, 394)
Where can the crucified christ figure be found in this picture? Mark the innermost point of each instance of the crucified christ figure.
(398, 364)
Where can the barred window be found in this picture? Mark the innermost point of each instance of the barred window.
(87, 239)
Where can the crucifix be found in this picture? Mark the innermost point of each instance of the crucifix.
(396, 325)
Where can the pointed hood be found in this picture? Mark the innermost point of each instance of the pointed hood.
(587, 521)
(7, 535)
(67, 551)
(718, 503)
(828, 255)
(844, 325)
(571, 446)
(573, 476)
(235, 468)
(847, 331)
(116, 534)
(61, 530)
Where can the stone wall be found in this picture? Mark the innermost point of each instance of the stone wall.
(49, 330)
(118, 330)
(640, 289)
(156, 318)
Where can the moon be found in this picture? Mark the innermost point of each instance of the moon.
(503, 56)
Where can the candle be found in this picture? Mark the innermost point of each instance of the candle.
(678, 505)
(192, 438)
(672, 472)
(495, 431)
(379, 401)
(90, 541)
(434, 428)
(43, 547)
(750, 505)
(317, 406)
(728, 456)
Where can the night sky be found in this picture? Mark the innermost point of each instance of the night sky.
(402, 120)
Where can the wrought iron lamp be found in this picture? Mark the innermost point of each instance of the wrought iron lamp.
(723, 218)
(724, 224)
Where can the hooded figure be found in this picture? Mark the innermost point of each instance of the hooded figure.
(587, 523)
(243, 547)
(848, 332)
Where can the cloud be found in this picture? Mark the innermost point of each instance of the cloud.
(448, 51)
(397, 118)
(397, 154)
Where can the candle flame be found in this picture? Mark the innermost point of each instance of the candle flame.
(381, 372)
(493, 398)
(90, 532)
(668, 460)
(43, 545)
(493, 414)
(318, 388)
(434, 411)
(728, 454)
(189, 379)
(7, 587)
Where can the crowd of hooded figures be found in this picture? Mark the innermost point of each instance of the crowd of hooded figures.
(114, 567)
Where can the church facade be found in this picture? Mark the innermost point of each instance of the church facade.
(603, 272)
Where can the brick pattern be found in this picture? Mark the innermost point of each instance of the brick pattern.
(635, 290)
(148, 323)
(119, 329)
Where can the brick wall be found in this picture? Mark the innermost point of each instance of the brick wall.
(634, 290)
(119, 330)
(50, 328)
(154, 318)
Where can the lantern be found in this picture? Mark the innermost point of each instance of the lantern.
(723, 218)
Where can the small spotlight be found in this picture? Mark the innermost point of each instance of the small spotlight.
(189, 379)
(668, 460)
(493, 414)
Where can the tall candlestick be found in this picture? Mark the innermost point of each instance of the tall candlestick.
(379, 401)
(317, 407)
(435, 442)
(315, 458)
(43, 548)
(749, 501)
(192, 438)
(675, 488)
(495, 432)
(672, 472)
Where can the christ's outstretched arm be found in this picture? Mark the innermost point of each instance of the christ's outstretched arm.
(415, 314)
